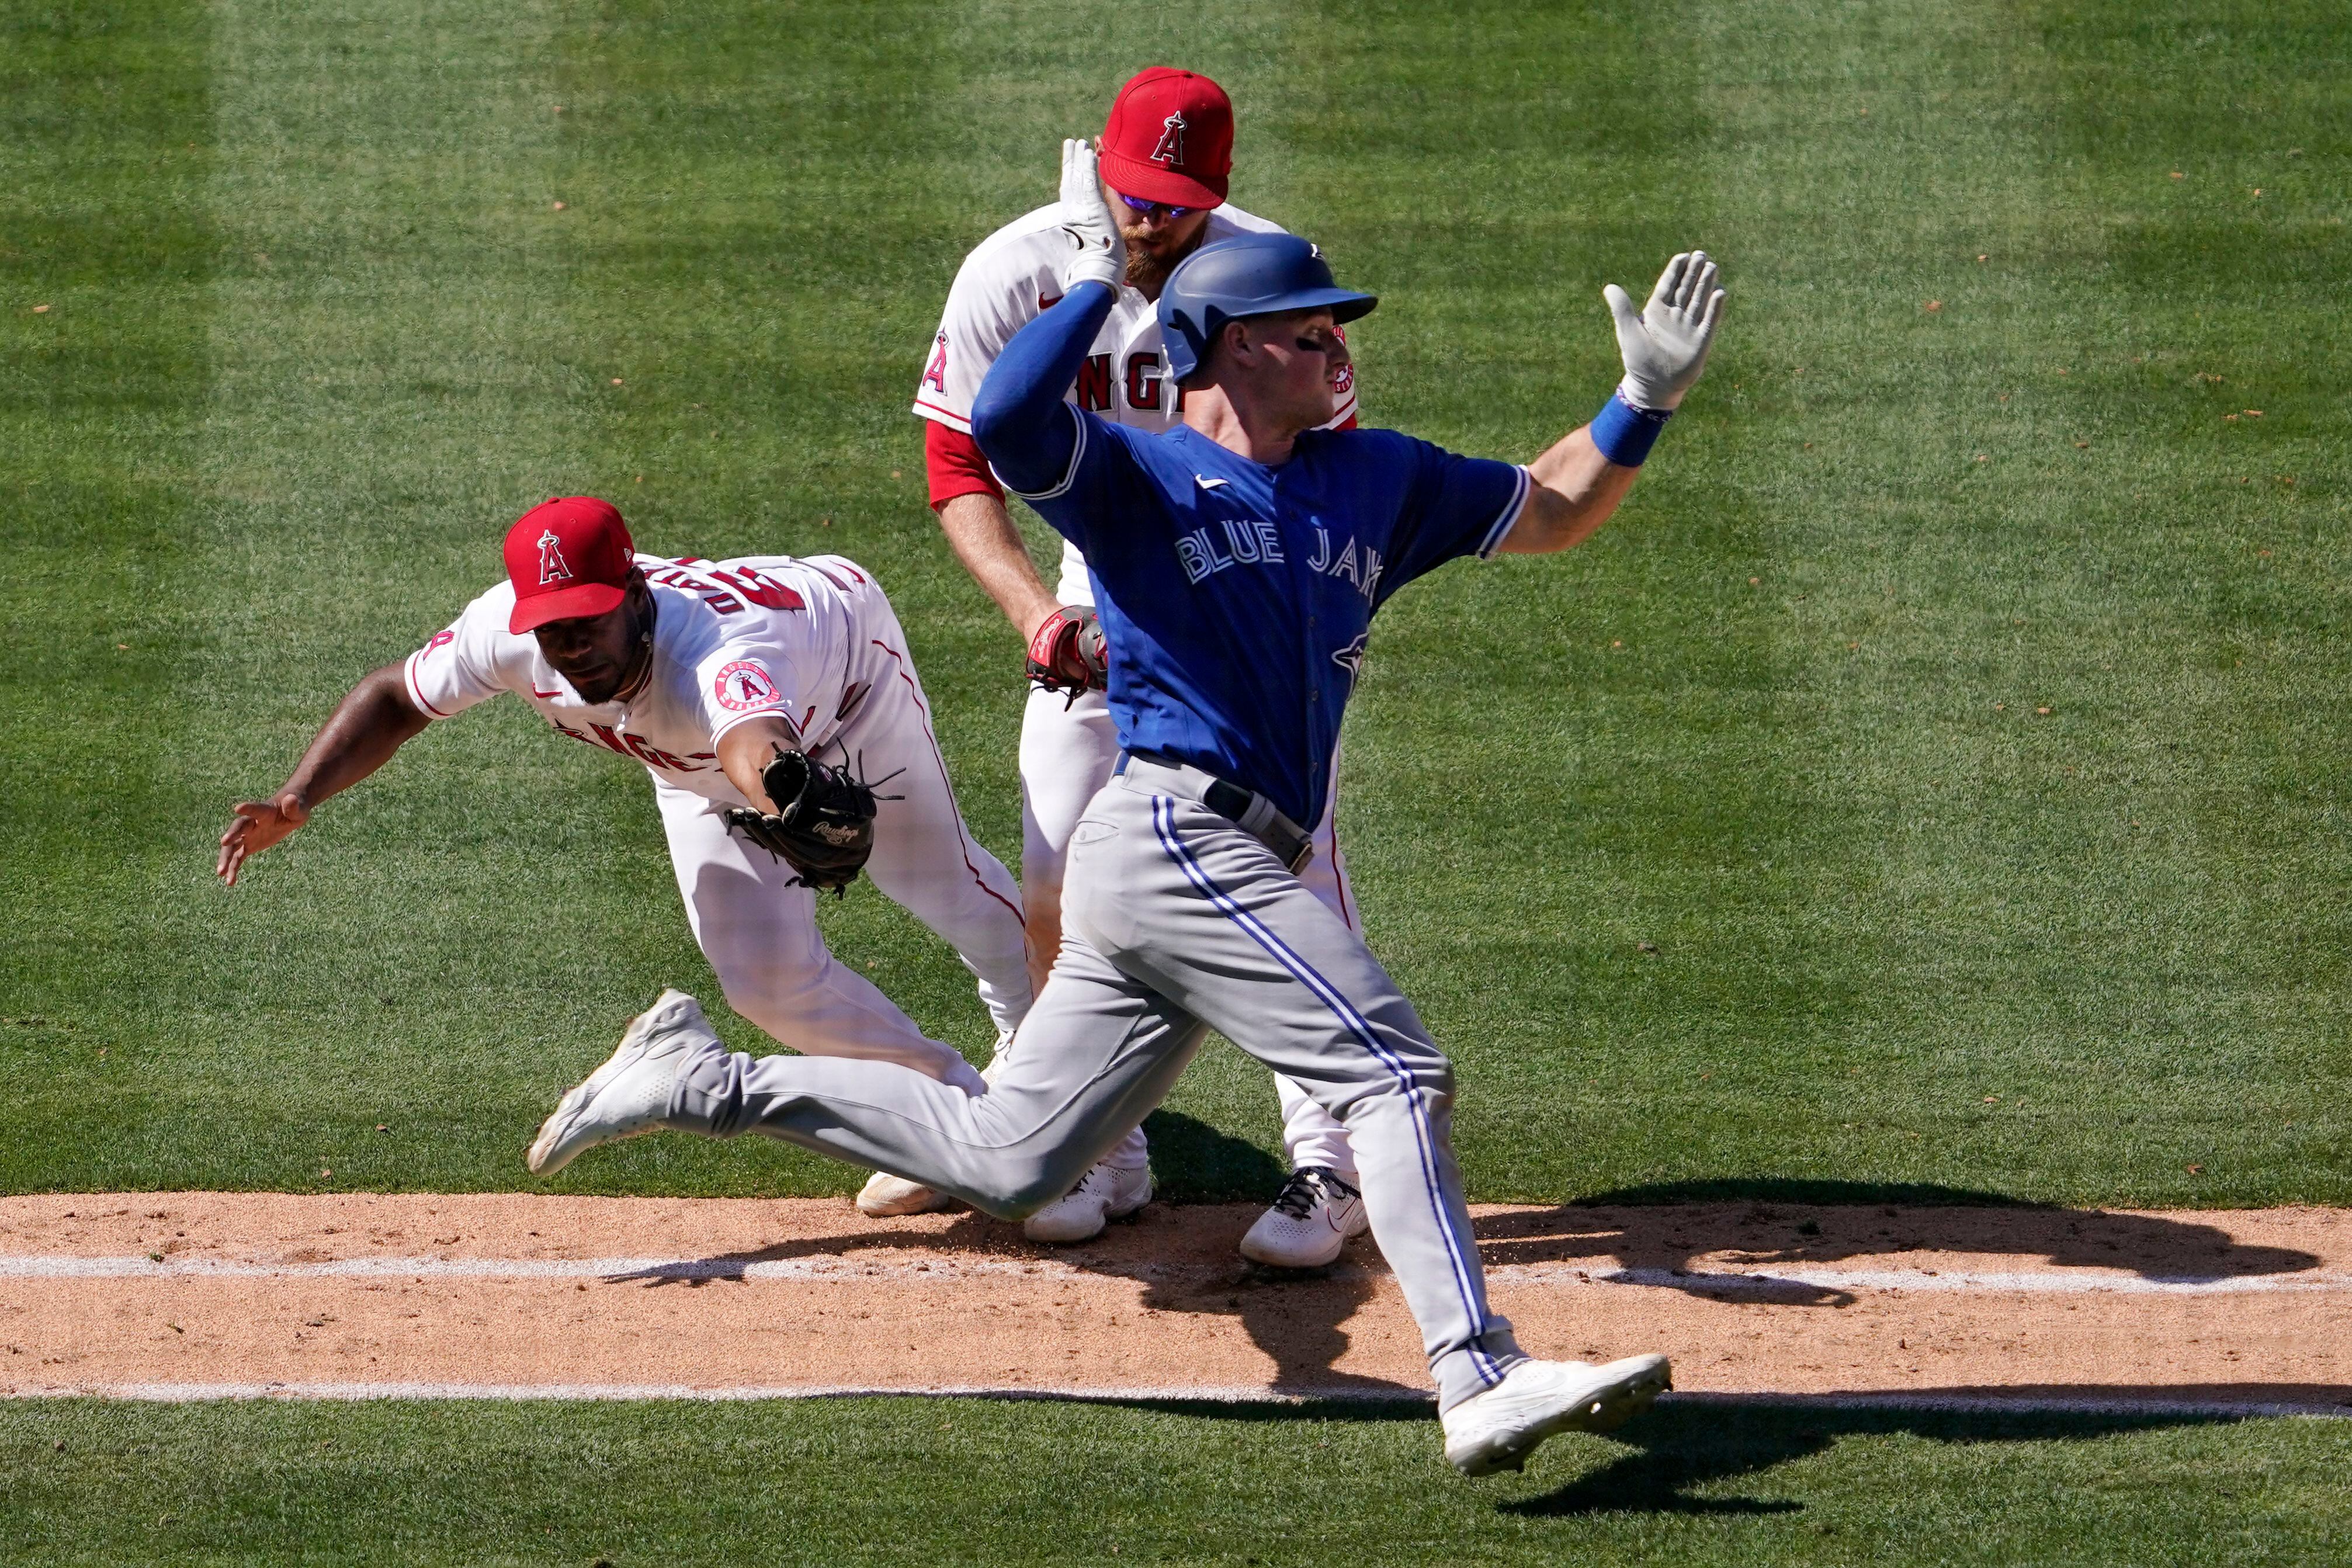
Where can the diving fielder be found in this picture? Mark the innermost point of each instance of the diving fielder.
(702, 672)
(1166, 157)
(1237, 564)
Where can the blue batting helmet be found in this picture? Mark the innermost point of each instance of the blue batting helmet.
(1254, 275)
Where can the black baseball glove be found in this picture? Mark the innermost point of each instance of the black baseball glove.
(1068, 652)
(823, 825)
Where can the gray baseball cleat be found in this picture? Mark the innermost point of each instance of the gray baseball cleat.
(630, 1093)
(1496, 1430)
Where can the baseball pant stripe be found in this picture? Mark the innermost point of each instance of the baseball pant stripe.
(916, 695)
(1163, 819)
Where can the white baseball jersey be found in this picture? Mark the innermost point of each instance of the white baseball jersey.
(1011, 278)
(733, 640)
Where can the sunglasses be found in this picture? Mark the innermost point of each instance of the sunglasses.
(1148, 208)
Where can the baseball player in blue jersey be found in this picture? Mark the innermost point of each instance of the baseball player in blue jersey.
(1237, 562)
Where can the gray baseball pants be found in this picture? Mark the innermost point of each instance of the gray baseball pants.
(1175, 920)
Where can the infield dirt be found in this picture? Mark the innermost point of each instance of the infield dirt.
(188, 1294)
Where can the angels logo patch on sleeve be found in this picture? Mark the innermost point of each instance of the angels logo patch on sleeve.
(745, 685)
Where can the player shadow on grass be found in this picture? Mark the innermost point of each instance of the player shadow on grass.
(1665, 1236)
(1681, 1448)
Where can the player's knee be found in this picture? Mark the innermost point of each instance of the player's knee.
(1015, 1201)
(1032, 1181)
(1426, 1073)
(768, 995)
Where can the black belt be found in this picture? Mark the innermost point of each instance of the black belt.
(1246, 809)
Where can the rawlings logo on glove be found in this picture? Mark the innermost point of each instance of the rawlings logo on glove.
(1068, 652)
(824, 822)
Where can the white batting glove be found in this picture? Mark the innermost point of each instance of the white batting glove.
(1097, 253)
(1665, 346)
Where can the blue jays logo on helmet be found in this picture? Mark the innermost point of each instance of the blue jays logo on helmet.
(1254, 275)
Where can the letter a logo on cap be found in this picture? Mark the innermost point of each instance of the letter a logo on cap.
(567, 558)
(551, 568)
(1169, 139)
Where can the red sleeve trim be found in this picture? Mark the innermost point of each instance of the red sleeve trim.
(408, 669)
(925, 409)
(954, 462)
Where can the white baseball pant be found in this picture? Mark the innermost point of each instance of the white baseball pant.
(760, 931)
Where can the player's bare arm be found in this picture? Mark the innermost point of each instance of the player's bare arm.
(1576, 490)
(748, 748)
(981, 533)
(1580, 481)
(602, 656)
(374, 719)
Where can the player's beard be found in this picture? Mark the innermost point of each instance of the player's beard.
(1146, 272)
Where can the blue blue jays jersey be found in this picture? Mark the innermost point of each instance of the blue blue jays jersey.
(1237, 597)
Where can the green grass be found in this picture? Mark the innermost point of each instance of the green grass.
(873, 1481)
(318, 330)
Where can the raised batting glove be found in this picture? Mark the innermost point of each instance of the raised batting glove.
(1097, 253)
(1666, 346)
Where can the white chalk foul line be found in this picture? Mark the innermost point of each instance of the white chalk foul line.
(33, 1266)
(186, 1392)
(1975, 1403)
(1799, 1282)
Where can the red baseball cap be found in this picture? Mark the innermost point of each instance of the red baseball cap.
(1170, 139)
(568, 557)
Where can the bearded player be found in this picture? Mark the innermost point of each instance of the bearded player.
(725, 680)
(1166, 157)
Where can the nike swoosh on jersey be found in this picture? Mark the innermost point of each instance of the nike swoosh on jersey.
(1207, 483)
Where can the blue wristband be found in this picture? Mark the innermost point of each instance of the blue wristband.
(1625, 434)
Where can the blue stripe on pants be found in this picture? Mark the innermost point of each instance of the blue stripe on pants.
(1164, 820)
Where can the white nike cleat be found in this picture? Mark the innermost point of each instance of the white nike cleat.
(887, 1196)
(1309, 1222)
(1496, 1430)
(1103, 1195)
(630, 1093)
